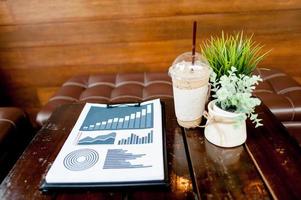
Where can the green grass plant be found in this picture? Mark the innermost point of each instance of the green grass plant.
(235, 50)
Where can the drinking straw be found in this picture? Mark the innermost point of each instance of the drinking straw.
(193, 41)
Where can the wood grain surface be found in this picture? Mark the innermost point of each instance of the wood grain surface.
(43, 43)
(223, 173)
(266, 167)
(24, 181)
(277, 156)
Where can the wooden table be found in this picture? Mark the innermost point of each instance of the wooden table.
(267, 166)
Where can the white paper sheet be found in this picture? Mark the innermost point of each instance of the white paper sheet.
(118, 144)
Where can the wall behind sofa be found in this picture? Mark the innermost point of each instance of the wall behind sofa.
(43, 43)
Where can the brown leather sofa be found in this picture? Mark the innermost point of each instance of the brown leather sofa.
(278, 91)
(282, 95)
(15, 134)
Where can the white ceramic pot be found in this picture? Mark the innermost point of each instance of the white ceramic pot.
(223, 129)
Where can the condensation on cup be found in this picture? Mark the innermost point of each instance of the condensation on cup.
(190, 88)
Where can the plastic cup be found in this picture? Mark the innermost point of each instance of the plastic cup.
(190, 88)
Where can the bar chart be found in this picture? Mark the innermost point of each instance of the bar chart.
(119, 159)
(135, 139)
(119, 118)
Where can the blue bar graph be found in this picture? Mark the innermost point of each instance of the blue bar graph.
(120, 123)
(109, 124)
(97, 126)
(137, 119)
(119, 118)
(91, 127)
(149, 116)
(126, 122)
(132, 121)
(143, 118)
(103, 125)
(135, 139)
(115, 123)
(119, 159)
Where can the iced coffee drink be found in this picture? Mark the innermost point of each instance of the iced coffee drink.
(190, 79)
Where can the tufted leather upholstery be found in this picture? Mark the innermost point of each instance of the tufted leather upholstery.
(109, 89)
(282, 95)
(15, 133)
(278, 91)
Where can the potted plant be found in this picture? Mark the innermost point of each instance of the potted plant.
(233, 58)
(236, 50)
(233, 103)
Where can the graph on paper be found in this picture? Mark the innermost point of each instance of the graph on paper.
(120, 159)
(100, 139)
(112, 144)
(118, 118)
(135, 139)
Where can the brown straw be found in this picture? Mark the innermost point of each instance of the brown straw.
(193, 41)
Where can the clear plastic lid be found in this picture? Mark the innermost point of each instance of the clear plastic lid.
(183, 68)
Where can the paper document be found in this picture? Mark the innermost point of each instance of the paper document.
(115, 143)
